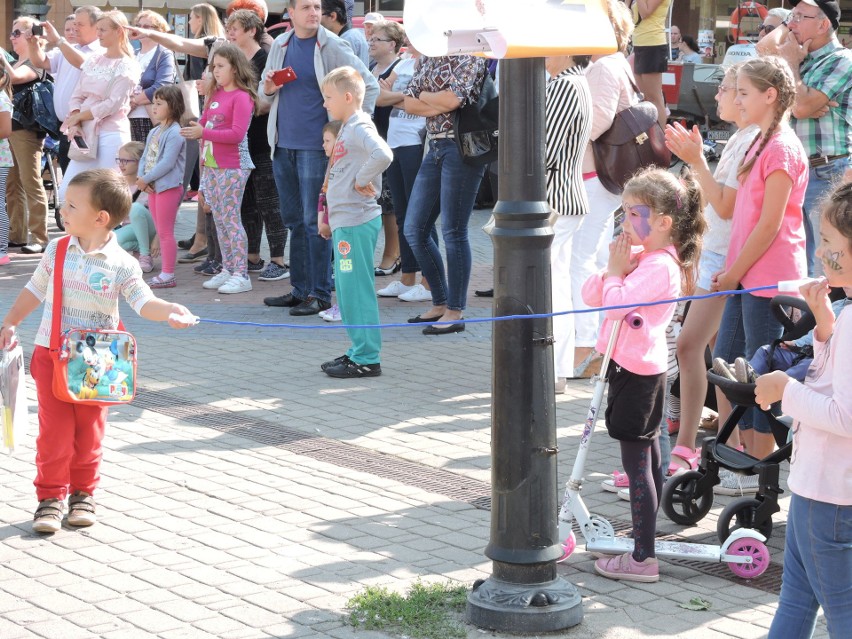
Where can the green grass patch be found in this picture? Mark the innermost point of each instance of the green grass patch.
(425, 612)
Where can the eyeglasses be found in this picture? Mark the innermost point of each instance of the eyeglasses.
(723, 89)
(798, 17)
(17, 33)
(768, 28)
(125, 161)
(372, 40)
(145, 26)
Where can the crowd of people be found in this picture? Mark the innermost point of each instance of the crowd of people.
(328, 135)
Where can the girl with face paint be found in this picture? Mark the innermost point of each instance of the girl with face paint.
(817, 549)
(654, 258)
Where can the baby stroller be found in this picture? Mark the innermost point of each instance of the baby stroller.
(688, 497)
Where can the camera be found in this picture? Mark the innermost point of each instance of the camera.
(37, 30)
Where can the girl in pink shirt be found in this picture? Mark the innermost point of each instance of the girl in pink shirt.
(225, 160)
(818, 545)
(767, 231)
(653, 259)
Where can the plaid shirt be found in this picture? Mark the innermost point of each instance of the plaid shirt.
(829, 70)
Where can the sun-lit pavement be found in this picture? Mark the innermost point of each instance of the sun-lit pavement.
(247, 495)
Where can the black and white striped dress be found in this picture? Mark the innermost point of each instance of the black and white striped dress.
(568, 123)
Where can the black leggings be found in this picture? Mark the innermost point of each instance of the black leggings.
(641, 460)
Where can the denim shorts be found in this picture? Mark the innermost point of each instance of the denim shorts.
(709, 264)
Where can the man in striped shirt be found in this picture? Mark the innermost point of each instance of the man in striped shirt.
(822, 113)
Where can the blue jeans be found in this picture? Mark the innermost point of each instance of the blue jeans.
(299, 176)
(820, 182)
(443, 177)
(401, 176)
(817, 569)
(747, 324)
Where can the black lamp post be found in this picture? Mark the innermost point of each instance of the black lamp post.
(524, 593)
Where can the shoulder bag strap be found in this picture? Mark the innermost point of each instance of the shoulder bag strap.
(58, 266)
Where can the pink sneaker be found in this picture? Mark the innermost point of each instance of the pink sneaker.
(625, 568)
(146, 263)
(5, 259)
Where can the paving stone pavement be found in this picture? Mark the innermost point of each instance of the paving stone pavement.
(246, 495)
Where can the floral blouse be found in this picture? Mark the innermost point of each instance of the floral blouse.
(463, 75)
(104, 88)
(5, 151)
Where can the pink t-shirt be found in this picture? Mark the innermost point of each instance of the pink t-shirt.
(657, 277)
(226, 120)
(785, 257)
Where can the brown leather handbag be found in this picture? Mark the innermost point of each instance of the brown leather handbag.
(634, 141)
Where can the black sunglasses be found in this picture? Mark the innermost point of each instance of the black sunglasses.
(766, 27)
(16, 33)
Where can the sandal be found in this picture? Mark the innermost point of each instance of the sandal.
(160, 282)
(688, 456)
(618, 481)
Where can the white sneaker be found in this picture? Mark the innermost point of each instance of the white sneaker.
(736, 485)
(624, 494)
(394, 289)
(236, 284)
(217, 280)
(418, 293)
(332, 314)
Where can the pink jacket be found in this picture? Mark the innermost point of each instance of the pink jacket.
(657, 277)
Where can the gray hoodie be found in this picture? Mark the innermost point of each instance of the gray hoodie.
(360, 155)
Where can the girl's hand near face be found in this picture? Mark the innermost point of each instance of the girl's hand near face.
(816, 295)
(621, 259)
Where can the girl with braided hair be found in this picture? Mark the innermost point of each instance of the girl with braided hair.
(767, 232)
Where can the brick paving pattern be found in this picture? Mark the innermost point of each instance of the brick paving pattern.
(246, 495)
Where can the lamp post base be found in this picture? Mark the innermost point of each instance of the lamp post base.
(524, 608)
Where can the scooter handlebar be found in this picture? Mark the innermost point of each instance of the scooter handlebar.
(634, 320)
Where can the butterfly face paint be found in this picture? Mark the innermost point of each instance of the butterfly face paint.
(835, 254)
(638, 216)
(831, 259)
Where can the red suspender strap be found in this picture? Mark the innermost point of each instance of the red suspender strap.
(56, 319)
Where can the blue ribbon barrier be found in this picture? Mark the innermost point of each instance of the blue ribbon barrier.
(484, 320)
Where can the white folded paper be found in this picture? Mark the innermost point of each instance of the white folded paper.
(508, 28)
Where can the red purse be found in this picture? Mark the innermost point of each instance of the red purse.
(92, 366)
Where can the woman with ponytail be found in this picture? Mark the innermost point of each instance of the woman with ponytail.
(767, 232)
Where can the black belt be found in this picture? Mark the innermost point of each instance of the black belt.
(822, 160)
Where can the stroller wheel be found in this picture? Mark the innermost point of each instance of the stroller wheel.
(759, 555)
(683, 501)
(742, 513)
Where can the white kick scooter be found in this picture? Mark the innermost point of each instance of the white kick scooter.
(744, 550)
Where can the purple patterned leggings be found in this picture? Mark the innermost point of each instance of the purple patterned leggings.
(223, 192)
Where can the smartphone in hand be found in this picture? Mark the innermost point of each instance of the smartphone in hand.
(80, 142)
(283, 76)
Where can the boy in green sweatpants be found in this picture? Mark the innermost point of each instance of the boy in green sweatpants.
(354, 219)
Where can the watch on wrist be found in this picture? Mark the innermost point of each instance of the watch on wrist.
(61, 41)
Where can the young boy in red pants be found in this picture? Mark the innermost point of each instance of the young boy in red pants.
(95, 271)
